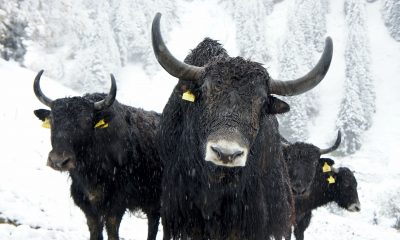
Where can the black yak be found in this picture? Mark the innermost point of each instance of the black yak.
(335, 185)
(302, 159)
(315, 182)
(109, 151)
(224, 173)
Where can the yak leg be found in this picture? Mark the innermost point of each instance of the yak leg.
(302, 225)
(113, 222)
(166, 230)
(153, 220)
(95, 225)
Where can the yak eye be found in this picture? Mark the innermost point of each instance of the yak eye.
(85, 121)
(346, 184)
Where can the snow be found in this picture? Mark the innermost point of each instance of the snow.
(37, 198)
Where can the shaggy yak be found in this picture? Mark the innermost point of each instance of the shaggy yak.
(224, 173)
(109, 151)
(302, 159)
(315, 182)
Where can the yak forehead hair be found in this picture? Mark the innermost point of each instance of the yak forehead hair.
(237, 68)
(301, 149)
(94, 97)
(77, 103)
(205, 52)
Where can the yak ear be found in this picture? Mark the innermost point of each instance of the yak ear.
(104, 115)
(42, 114)
(329, 161)
(276, 106)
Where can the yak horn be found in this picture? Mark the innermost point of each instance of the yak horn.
(172, 65)
(109, 99)
(38, 92)
(335, 145)
(310, 80)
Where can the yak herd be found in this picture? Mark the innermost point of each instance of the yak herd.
(212, 165)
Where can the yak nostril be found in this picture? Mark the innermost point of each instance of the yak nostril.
(218, 151)
(237, 154)
(63, 163)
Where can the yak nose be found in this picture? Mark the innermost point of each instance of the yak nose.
(61, 162)
(355, 207)
(226, 155)
(298, 188)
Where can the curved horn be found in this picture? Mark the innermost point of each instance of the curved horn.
(109, 99)
(38, 92)
(335, 145)
(172, 65)
(310, 80)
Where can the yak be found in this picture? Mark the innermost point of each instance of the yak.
(336, 185)
(302, 159)
(315, 182)
(109, 151)
(224, 175)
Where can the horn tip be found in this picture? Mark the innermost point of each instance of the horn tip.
(39, 74)
(329, 43)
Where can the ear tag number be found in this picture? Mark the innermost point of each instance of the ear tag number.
(188, 96)
(46, 123)
(326, 168)
(331, 180)
(101, 124)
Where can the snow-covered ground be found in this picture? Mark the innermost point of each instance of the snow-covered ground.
(37, 199)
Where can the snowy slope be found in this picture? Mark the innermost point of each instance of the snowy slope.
(38, 200)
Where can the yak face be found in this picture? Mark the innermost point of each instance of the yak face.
(232, 98)
(347, 190)
(302, 161)
(72, 122)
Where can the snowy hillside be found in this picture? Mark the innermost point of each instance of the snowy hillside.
(34, 200)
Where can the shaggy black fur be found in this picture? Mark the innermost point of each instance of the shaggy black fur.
(201, 200)
(343, 192)
(114, 168)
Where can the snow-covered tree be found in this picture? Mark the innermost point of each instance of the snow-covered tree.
(80, 42)
(249, 17)
(391, 15)
(301, 48)
(358, 104)
(12, 32)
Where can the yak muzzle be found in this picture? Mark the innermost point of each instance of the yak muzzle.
(354, 207)
(64, 161)
(226, 153)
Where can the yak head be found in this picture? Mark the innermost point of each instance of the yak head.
(231, 96)
(302, 160)
(346, 185)
(342, 185)
(72, 121)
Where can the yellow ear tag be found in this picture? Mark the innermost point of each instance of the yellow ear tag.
(188, 96)
(101, 124)
(326, 167)
(331, 180)
(46, 123)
